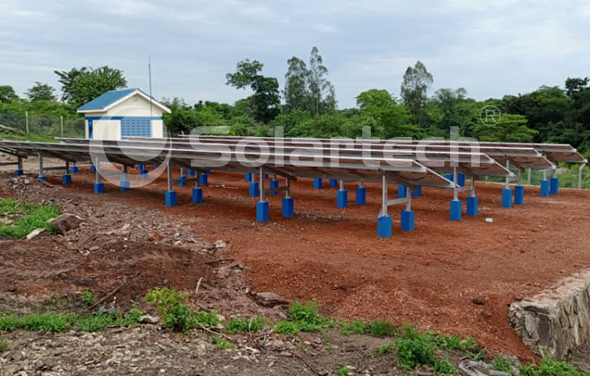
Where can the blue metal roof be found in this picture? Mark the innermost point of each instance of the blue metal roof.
(108, 98)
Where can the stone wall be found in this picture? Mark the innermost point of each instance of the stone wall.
(557, 320)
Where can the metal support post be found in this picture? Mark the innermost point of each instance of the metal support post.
(41, 175)
(472, 200)
(98, 185)
(262, 206)
(507, 192)
(384, 222)
(170, 195)
(67, 178)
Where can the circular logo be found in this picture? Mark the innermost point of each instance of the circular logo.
(490, 115)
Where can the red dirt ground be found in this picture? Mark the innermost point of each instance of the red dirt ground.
(453, 277)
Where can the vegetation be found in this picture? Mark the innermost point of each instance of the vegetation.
(221, 343)
(549, 367)
(25, 217)
(343, 371)
(286, 327)
(502, 364)
(4, 345)
(253, 324)
(88, 298)
(386, 348)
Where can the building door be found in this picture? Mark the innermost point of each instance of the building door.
(136, 127)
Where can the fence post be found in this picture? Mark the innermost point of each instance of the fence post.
(27, 121)
(62, 126)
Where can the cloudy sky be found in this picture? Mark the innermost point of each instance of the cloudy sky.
(490, 48)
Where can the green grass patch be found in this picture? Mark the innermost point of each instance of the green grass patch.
(502, 364)
(343, 371)
(380, 329)
(253, 324)
(286, 327)
(444, 367)
(88, 298)
(549, 367)
(356, 326)
(7, 135)
(26, 217)
(307, 316)
(386, 348)
(172, 308)
(221, 343)
(4, 345)
(207, 319)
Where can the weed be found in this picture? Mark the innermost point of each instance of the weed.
(453, 342)
(4, 346)
(171, 308)
(307, 316)
(386, 348)
(206, 319)
(380, 329)
(221, 343)
(29, 217)
(502, 364)
(343, 371)
(96, 323)
(286, 327)
(88, 298)
(254, 324)
(358, 327)
(414, 351)
(551, 368)
(444, 367)
(476, 354)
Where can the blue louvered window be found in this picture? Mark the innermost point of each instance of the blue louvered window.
(136, 127)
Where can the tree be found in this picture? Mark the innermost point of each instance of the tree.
(296, 93)
(41, 92)
(322, 93)
(390, 118)
(510, 128)
(7, 94)
(83, 85)
(417, 80)
(266, 98)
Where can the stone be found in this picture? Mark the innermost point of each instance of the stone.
(147, 319)
(278, 345)
(38, 233)
(270, 299)
(556, 320)
(65, 222)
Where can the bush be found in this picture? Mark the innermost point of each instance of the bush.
(356, 326)
(444, 367)
(307, 316)
(414, 351)
(170, 305)
(203, 318)
(551, 368)
(254, 324)
(286, 327)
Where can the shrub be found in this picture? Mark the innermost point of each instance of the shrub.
(307, 316)
(203, 318)
(444, 367)
(550, 367)
(170, 305)
(414, 349)
(286, 327)
(254, 324)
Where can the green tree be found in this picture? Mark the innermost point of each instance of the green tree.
(7, 94)
(321, 91)
(41, 92)
(416, 82)
(82, 85)
(390, 118)
(510, 128)
(296, 92)
(266, 98)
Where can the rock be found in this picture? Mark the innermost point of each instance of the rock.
(65, 222)
(219, 245)
(147, 319)
(38, 233)
(277, 345)
(270, 299)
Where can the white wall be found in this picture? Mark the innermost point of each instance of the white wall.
(158, 129)
(106, 129)
(135, 106)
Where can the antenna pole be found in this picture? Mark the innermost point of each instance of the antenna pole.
(150, 80)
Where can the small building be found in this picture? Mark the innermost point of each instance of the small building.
(118, 114)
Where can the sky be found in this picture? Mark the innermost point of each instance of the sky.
(490, 48)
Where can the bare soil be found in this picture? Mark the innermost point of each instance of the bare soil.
(452, 277)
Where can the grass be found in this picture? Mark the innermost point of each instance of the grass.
(286, 327)
(221, 343)
(27, 217)
(88, 298)
(549, 367)
(356, 326)
(386, 348)
(380, 329)
(502, 364)
(207, 319)
(7, 135)
(343, 371)
(4, 345)
(253, 324)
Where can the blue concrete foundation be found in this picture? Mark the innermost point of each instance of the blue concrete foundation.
(554, 186)
(333, 183)
(461, 180)
(262, 211)
(182, 183)
(342, 199)
(92, 168)
(248, 176)
(74, 169)
(254, 189)
(66, 179)
(125, 185)
(472, 206)
(361, 195)
(317, 183)
(402, 191)
(384, 226)
(266, 176)
(518, 195)
(204, 179)
(506, 198)
(545, 188)
(41, 177)
(274, 184)
(191, 172)
(449, 177)
(170, 198)
(197, 195)
(417, 192)
(19, 172)
(456, 209)
(288, 207)
(407, 220)
(98, 188)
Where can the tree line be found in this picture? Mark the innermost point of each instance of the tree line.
(307, 106)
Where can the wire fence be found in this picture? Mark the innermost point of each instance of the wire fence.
(32, 124)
